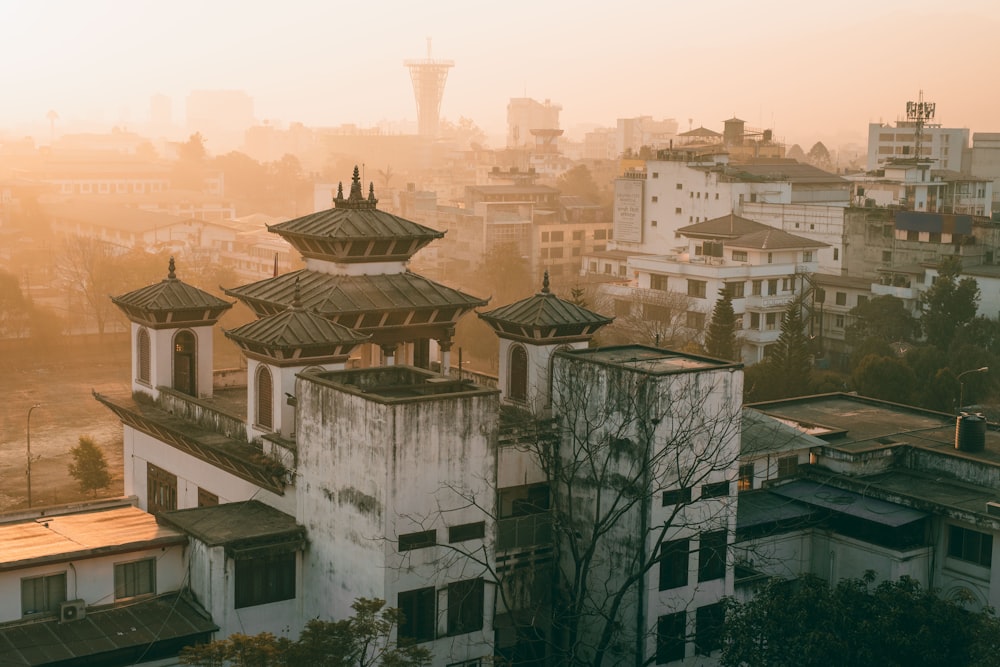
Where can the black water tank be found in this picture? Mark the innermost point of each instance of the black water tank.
(970, 432)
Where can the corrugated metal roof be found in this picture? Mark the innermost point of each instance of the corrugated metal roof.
(295, 328)
(125, 635)
(170, 294)
(325, 293)
(69, 536)
(233, 523)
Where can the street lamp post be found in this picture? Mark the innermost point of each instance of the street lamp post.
(961, 385)
(28, 434)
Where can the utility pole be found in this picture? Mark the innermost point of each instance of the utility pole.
(28, 434)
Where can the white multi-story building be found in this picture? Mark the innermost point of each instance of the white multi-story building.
(945, 147)
(525, 114)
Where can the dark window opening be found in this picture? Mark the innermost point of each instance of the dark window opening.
(417, 624)
(161, 490)
(421, 540)
(465, 606)
(674, 564)
(467, 531)
(712, 555)
(671, 634)
(265, 579)
(43, 595)
(135, 578)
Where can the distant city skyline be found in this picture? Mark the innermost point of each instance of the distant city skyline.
(809, 72)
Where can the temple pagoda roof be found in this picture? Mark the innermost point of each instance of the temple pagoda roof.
(171, 303)
(355, 230)
(295, 334)
(544, 316)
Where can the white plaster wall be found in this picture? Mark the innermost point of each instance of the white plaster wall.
(192, 473)
(370, 472)
(161, 359)
(93, 579)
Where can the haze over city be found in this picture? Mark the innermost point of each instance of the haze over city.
(811, 71)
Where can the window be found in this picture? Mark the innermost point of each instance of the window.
(518, 374)
(656, 312)
(736, 290)
(770, 258)
(676, 496)
(678, 210)
(674, 557)
(671, 633)
(656, 174)
(838, 322)
(265, 579)
(135, 578)
(265, 398)
(556, 253)
(970, 545)
(557, 237)
(43, 595)
(578, 235)
(161, 490)
(680, 186)
(785, 284)
(755, 287)
(142, 350)
(421, 540)
(184, 363)
(739, 255)
(841, 298)
(755, 321)
(600, 234)
(417, 624)
(623, 308)
(466, 531)
(657, 282)
(770, 321)
(887, 256)
(772, 286)
(708, 628)
(696, 288)
(695, 319)
(712, 555)
(207, 498)
(788, 466)
(545, 237)
(575, 252)
(715, 490)
(653, 223)
(836, 254)
(655, 199)
(745, 482)
(862, 299)
(465, 606)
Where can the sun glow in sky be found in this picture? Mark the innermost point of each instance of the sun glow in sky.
(810, 70)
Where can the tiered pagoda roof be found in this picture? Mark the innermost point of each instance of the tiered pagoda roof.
(544, 317)
(387, 302)
(355, 231)
(296, 336)
(171, 303)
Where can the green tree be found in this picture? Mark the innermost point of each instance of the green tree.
(787, 370)
(819, 155)
(949, 305)
(887, 378)
(89, 467)
(807, 623)
(883, 318)
(363, 640)
(721, 339)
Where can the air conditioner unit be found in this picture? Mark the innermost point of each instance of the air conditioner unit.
(72, 610)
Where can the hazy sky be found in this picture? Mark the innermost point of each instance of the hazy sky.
(810, 70)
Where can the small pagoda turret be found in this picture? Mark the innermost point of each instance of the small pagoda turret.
(531, 331)
(277, 348)
(172, 324)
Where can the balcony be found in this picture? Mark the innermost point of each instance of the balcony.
(905, 293)
(761, 337)
(770, 302)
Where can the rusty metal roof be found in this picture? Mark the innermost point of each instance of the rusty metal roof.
(125, 635)
(70, 536)
(544, 313)
(326, 293)
(170, 295)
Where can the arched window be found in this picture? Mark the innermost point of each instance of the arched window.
(552, 359)
(265, 398)
(518, 380)
(185, 371)
(142, 354)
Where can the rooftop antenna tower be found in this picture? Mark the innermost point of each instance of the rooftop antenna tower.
(919, 113)
(428, 78)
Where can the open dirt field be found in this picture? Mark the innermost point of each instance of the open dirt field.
(61, 381)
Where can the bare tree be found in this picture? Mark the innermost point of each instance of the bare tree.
(648, 316)
(636, 461)
(87, 268)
